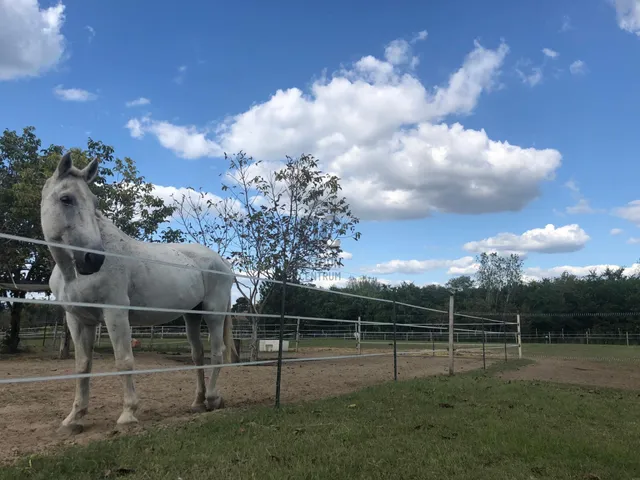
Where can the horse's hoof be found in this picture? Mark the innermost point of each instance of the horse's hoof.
(215, 403)
(199, 408)
(71, 429)
(126, 419)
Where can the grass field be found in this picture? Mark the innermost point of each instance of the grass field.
(472, 425)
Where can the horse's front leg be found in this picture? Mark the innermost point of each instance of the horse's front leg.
(117, 322)
(83, 337)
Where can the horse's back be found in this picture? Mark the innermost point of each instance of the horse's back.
(166, 286)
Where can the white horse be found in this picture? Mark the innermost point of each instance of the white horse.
(69, 216)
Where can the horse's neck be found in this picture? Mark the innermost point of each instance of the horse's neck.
(110, 232)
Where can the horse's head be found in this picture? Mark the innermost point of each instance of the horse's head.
(68, 213)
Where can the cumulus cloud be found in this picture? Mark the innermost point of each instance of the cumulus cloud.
(549, 239)
(628, 15)
(631, 212)
(537, 273)
(170, 195)
(185, 141)
(380, 129)
(31, 41)
(138, 102)
(345, 255)
(578, 67)
(616, 231)
(73, 94)
(550, 53)
(418, 266)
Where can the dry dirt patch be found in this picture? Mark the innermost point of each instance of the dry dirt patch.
(579, 372)
(30, 413)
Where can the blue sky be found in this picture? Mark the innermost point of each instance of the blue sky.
(456, 127)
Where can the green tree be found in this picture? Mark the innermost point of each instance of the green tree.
(283, 224)
(124, 196)
(499, 276)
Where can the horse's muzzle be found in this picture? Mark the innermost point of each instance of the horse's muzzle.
(92, 263)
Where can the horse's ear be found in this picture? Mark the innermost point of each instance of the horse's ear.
(64, 165)
(91, 171)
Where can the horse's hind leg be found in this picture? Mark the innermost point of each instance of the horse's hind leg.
(83, 337)
(215, 323)
(193, 322)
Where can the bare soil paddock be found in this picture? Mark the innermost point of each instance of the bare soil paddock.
(611, 374)
(30, 413)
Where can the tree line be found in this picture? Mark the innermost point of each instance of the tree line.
(280, 224)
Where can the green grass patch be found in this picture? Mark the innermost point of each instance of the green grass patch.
(470, 426)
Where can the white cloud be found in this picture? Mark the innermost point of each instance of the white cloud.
(182, 72)
(73, 94)
(582, 206)
(419, 266)
(170, 194)
(550, 53)
(31, 41)
(631, 212)
(398, 52)
(533, 78)
(346, 255)
(376, 126)
(633, 240)
(566, 24)
(421, 35)
(616, 231)
(138, 102)
(549, 239)
(578, 67)
(92, 32)
(628, 15)
(537, 273)
(457, 270)
(185, 141)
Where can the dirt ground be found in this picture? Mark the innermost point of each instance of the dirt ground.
(30, 413)
(580, 372)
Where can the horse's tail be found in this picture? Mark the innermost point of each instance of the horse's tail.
(231, 355)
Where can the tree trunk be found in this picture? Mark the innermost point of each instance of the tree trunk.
(65, 344)
(253, 354)
(12, 340)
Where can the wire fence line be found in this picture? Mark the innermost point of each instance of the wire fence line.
(359, 333)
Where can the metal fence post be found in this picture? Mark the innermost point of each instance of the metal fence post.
(519, 336)
(395, 345)
(451, 334)
(484, 348)
(359, 334)
(297, 335)
(281, 338)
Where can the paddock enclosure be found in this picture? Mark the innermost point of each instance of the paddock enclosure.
(30, 413)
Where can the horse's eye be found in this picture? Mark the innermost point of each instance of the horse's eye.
(66, 199)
